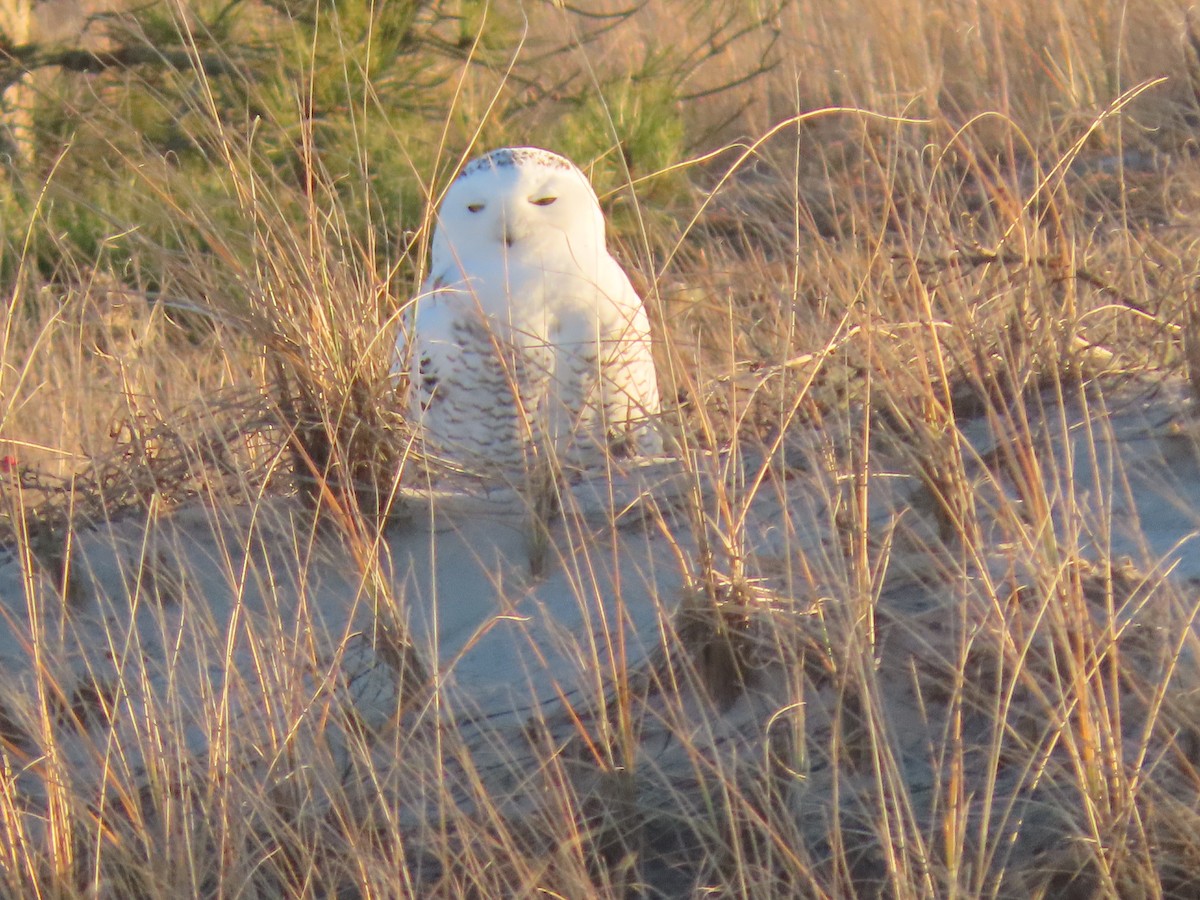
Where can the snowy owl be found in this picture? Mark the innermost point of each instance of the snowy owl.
(528, 336)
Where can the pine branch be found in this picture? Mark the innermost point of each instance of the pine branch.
(17, 61)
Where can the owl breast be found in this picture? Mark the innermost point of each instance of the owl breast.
(564, 371)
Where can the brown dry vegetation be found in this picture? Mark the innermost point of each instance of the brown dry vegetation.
(859, 226)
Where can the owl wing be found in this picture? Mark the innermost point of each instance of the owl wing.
(607, 373)
(628, 379)
(431, 345)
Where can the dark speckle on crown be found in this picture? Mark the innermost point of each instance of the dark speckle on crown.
(516, 156)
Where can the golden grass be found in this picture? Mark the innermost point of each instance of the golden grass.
(902, 659)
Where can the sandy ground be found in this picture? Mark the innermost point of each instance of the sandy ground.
(239, 634)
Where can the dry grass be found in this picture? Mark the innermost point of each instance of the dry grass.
(909, 645)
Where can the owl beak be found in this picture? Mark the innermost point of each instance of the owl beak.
(512, 229)
(510, 226)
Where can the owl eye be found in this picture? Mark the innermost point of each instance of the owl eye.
(543, 201)
(474, 207)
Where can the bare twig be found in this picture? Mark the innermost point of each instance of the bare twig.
(984, 257)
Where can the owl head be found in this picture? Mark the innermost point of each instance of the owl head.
(518, 201)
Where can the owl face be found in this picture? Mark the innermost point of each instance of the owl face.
(518, 201)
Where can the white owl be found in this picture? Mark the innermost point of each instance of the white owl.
(528, 337)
